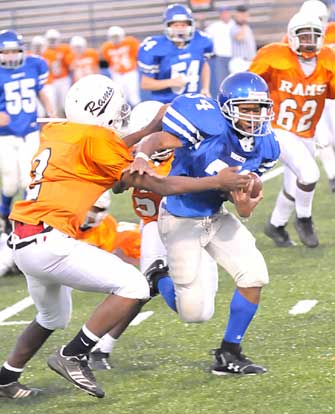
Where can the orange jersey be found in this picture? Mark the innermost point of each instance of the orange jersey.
(110, 235)
(146, 203)
(57, 60)
(298, 99)
(74, 165)
(121, 57)
(87, 63)
(330, 35)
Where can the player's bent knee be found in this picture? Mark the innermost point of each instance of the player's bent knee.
(247, 281)
(136, 287)
(194, 307)
(53, 322)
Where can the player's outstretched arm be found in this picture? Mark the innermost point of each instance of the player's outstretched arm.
(226, 180)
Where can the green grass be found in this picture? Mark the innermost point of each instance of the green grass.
(161, 366)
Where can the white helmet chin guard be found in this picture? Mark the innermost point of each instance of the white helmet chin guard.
(97, 100)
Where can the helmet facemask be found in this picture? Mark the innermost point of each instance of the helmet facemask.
(11, 58)
(307, 41)
(180, 34)
(255, 114)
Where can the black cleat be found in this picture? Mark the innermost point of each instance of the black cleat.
(306, 232)
(15, 390)
(278, 234)
(98, 361)
(156, 271)
(75, 369)
(227, 363)
(332, 185)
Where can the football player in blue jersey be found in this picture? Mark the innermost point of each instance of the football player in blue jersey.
(208, 136)
(176, 62)
(21, 82)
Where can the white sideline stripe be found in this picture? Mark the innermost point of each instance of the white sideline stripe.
(303, 306)
(136, 321)
(140, 318)
(272, 174)
(25, 303)
(16, 308)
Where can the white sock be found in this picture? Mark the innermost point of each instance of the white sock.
(282, 211)
(106, 344)
(327, 156)
(303, 202)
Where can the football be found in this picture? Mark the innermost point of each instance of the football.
(258, 185)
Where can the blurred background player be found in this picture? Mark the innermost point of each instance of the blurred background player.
(82, 60)
(176, 62)
(56, 55)
(120, 53)
(299, 83)
(38, 46)
(22, 78)
(102, 230)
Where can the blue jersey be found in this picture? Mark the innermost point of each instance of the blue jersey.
(160, 58)
(18, 95)
(209, 144)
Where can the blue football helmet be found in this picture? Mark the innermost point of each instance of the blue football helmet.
(178, 13)
(11, 49)
(246, 88)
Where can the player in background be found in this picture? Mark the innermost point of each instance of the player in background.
(120, 53)
(22, 78)
(77, 161)
(207, 136)
(102, 230)
(82, 60)
(299, 83)
(175, 62)
(56, 55)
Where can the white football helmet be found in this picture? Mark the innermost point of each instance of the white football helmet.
(53, 37)
(305, 24)
(98, 212)
(38, 45)
(316, 7)
(116, 34)
(78, 43)
(141, 115)
(97, 100)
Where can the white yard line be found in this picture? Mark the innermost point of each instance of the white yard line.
(272, 174)
(141, 317)
(16, 308)
(303, 306)
(14, 323)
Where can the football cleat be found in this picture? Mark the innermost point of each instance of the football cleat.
(15, 390)
(155, 271)
(306, 232)
(227, 363)
(98, 360)
(75, 369)
(278, 234)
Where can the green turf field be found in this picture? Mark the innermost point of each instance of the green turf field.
(161, 366)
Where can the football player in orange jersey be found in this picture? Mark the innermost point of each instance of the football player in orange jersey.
(55, 54)
(76, 162)
(83, 60)
(120, 52)
(300, 75)
(102, 230)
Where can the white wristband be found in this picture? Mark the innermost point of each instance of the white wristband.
(142, 155)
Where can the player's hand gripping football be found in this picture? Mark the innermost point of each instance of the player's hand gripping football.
(245, 200)
(229, 179)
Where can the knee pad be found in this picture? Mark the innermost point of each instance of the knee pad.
(52, 321)
(135, 285)
(193, 306)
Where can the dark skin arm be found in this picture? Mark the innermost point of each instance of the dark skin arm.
(226, 179)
